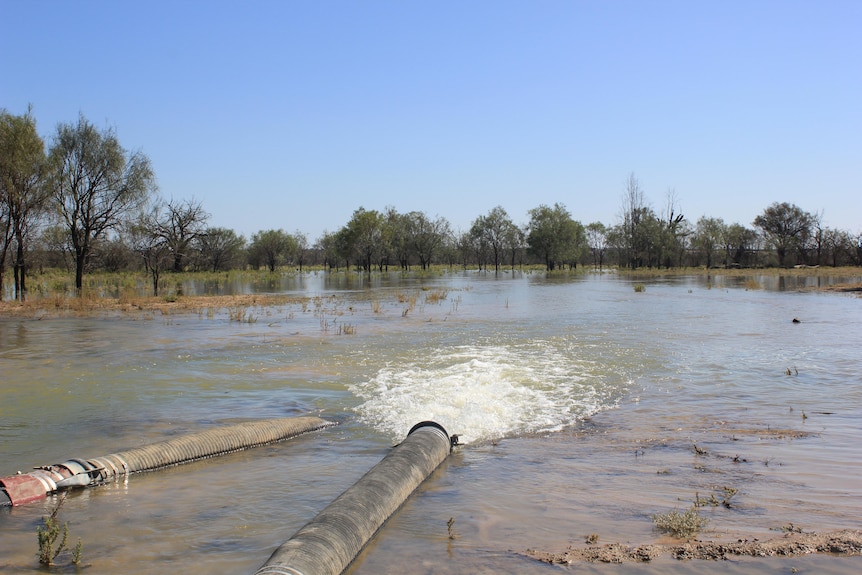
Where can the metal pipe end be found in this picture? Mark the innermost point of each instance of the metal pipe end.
(435, 427)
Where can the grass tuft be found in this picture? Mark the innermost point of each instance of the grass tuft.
(683, 525)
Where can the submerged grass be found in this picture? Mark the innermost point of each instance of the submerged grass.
(436, 296)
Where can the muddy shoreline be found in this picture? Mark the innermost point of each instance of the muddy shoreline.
(840, 543)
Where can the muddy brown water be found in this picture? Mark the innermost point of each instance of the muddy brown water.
(586, 408)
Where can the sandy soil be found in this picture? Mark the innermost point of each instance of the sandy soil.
(846, 542)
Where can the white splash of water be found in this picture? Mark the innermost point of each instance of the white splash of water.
(483, 392)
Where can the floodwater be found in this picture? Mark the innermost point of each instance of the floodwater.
(585, 408)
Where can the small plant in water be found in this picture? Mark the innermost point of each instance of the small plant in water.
(346, 329)
(789, 528)
(683, 525)
(639, 288)
(436, 296)
(449, 524)
(47, 536)
(751, 284)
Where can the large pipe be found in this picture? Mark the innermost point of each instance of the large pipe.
(332, 540)
(37, 484)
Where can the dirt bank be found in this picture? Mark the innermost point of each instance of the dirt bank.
(848, 542)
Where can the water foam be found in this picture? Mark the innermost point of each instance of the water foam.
(483, 392)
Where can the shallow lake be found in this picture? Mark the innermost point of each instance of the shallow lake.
(585, 407)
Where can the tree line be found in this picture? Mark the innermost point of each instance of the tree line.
(85, 203)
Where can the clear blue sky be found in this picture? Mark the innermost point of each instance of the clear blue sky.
(289, 114)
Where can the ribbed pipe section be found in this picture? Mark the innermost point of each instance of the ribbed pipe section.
(332, 540)
(27, 487)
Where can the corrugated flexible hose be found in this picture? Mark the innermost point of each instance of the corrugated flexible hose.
(37, 484)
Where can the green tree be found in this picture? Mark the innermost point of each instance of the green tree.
(220, 248)
(328, 246)
(554, 236)
(23, 194)
(300, 241)
(738, 243)
(516, 243)
(494, 233)
(363, 238)
(96, 185)
(426, 236)
(786, 227)
(397, 237)
(597, 242)
(271, 248)
(465, 248)
(839, 246)
(708, 236)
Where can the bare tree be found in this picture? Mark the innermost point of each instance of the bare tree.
(145, 240)
(673, 233)
(96, 185)
(179, 225)
(633, 221)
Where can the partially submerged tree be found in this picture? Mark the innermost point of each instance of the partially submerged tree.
(363, 238)
(426, 236)
(597, 242)
(495, 233)
(554, 236)
(96, 185)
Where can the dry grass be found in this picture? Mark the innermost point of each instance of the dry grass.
(436, 296)
(822, 271)
(92, 305)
